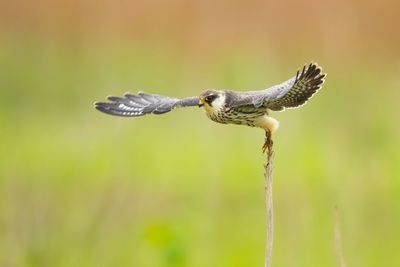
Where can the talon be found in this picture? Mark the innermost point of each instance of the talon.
(264, 147)
(268, 142)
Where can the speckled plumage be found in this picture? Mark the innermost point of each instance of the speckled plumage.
(228, 107)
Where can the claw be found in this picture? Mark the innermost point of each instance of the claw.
(264, 147)
(268, 142)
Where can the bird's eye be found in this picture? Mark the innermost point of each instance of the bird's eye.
(209, 98)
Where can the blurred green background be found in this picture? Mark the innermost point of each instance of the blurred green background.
(79, 188)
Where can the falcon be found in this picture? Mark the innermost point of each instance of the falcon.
(249, 108)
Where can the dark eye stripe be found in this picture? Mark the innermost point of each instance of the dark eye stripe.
(210, 98)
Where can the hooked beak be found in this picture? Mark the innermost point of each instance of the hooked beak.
(201, 103)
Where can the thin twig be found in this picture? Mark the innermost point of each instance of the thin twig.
(338, 240)
(268, 199)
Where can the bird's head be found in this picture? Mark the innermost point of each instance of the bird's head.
(212, 100)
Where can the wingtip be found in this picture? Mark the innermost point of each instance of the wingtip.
(314, 69)
(114, 98)
(100, 107)
(316, 65)
(128, 94)
(98, 104)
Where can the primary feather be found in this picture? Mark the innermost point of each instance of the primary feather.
(294, 92)
(142, 103)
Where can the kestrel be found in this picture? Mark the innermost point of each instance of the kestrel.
(249, 108)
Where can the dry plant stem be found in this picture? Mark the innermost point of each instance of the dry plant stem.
(338, 240)
(268, 198)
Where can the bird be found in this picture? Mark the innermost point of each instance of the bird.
(250, 108)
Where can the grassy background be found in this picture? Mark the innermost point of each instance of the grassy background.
(78, 188)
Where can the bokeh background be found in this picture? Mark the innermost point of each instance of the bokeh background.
(79, 188)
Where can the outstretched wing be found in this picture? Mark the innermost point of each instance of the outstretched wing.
(141, 104)
(292, 93)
